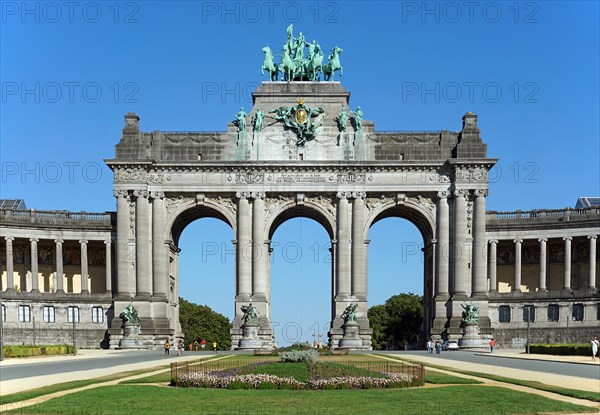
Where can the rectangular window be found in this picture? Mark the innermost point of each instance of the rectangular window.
(597, 313)
(529, 313)
(3, 312)
(577, 312)
(73, 314)
(97, 315)
(48, 312)
(24, 314)
(553, 312)
(504, 314)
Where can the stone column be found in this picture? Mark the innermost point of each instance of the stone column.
(125, 285)
(442, 249)
(567, 280)
(592, 275)
(259, 248)
(543, 261)
(343, 247)
(160, 254)
(59, 266)
(461, 257)
(35, 282)
(243, 247)
(142, 236)
(493, 263)
(479, 244)
(84, 267)
(108, 266)
(10, 267)
(517, 287)
(359, 258)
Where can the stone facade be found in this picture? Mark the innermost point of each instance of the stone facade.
(345, 180)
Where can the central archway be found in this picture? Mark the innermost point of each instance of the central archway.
(300, 281)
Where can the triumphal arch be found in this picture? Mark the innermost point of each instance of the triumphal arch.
(301, 151)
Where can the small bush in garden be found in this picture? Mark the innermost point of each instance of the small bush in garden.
(267, 385)
(297, 356)
(239, 385)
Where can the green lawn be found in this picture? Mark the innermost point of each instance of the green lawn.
(139, 399)
(439, 378)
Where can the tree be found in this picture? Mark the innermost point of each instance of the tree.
(378, 320)
(397, 322)
(201, 322)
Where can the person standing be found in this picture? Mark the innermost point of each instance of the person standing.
(595, 343)
(492, 345)
(196, 344)
(167, 347)
(429, 346)
(180, 347)
(215, 347)
(203, 344)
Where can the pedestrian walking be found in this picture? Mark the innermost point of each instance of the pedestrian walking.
(429, 346)
(215, 347)
(167, 347)
(492, 345)
(196, 344)
(594, 343)
(438, 347)
(180, 347)
(203, 344)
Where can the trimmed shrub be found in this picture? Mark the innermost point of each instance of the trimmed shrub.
(30, 350)
(577, 349)
(239, 385)
(267, 385)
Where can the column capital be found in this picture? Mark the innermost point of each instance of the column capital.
(542, 239)
(107, 242)
(9, 239)
(493, 241)
(121, 193)
(83, 241)
(567, 238)
(433, 241)
(59, 241)
(258, 195)
(343, 195)
(36, 240)
(460, 193)
(518, 240)
(359, 195)
(243, 195)
(592, 236)
(157, 195)
(481, 193)
(443, 194)
(143, 194)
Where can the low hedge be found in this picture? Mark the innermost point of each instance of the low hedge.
(578, 349)
(30, 350)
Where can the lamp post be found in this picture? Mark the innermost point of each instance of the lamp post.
(1, 331)
(528, 308)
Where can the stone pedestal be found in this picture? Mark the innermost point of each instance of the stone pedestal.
(471, 339)
(351, 339)
(131, 337)
(250, 339)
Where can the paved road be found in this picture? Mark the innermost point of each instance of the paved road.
(158, 358)
(40, 368)
(544, 366)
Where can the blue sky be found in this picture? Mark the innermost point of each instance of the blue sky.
(70, 73)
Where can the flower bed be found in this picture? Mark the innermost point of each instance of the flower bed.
(264, 381)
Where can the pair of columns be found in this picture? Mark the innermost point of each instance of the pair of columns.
(59, 265)
(142, 253)
(543, 260)
(351, 250)
(252, 247)
(453, 258)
